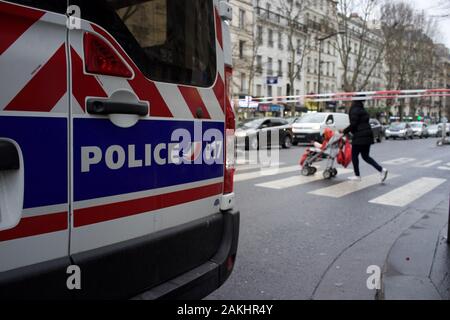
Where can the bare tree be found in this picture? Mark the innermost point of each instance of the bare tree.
(409, 58)
(299, 43)
(361, 46)
(244, 58)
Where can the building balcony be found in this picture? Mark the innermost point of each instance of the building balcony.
(278, 19)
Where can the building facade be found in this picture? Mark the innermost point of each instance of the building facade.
(290, 48)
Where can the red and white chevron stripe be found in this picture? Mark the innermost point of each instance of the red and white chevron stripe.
(33, 64)
(39, 81)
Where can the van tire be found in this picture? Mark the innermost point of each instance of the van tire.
(287, 142)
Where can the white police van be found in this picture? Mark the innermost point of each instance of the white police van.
(116, 149)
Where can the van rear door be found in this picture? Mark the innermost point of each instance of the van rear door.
(34, 109)
(147, 118)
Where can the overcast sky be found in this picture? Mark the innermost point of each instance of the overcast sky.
(434, 7)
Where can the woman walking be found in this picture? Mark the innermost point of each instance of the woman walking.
(362, 140)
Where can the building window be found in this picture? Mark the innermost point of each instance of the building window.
(280, 41)
(280, 68)
(270, 32)
(269, 91)
(259, 35)
(259, 64)
(269, 67)
(279, 91)
(258, 90)
(243, 83)
(241, 19)
(241, 49)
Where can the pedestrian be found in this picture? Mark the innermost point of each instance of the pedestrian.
(362, 140)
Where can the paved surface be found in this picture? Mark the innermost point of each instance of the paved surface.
(307, 238)
(418, 264)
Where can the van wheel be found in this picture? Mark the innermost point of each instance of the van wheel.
(287, 143)
(380, 138)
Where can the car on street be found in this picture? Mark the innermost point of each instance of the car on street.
(377, 129)
(400, 130)
(260, 132)
(447, 131)
(419, 129)
(435, 130)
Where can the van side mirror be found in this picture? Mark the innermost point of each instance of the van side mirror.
(330, 122)
(225, 11)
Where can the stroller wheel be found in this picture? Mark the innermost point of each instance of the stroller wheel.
(306, 171)
(327, 174)
(334, 172)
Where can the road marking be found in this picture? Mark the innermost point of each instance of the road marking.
(399, 161)
(249, 167)
(408, 193)
(345, 188)
(427, 164)
(265, 173)
(296, 180)
(447, 167)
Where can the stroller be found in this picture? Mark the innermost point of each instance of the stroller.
(337, 150)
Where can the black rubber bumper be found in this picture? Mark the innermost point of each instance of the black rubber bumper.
(185, 262)
(307, 138)
(201, 281)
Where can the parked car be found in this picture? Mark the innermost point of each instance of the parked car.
(435, 130)
(377, 129)
(419, 129)
(249, 133)
(399, 130)
(447, 131)
(311, 125)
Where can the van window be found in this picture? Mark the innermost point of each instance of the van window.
(169, 40)
(312, 118)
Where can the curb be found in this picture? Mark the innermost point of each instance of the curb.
(418, 264)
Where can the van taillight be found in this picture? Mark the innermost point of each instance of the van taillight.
(101, 58)
(230, 126)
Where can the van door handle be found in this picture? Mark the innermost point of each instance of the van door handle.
(107, 107)
(9, 156)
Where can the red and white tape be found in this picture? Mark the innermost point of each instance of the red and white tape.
(355, 96)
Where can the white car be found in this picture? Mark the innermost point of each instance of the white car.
(419, 129)
(399, 130)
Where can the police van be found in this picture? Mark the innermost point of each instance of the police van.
(116, 149)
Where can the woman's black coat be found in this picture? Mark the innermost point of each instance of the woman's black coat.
(359, 125)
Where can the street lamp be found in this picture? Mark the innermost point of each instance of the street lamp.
(320, 55)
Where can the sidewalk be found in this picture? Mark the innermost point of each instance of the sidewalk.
(418, 264)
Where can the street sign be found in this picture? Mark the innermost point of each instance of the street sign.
(272, 80)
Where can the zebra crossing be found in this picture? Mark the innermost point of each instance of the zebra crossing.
(398, 196)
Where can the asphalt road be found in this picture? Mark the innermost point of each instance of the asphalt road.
(301, 239)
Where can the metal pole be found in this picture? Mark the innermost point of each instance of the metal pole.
(448, 229)
(320, 69)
